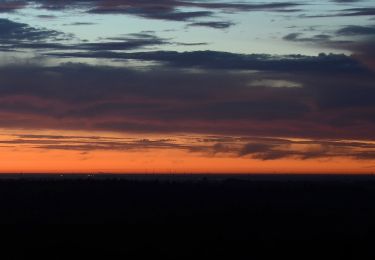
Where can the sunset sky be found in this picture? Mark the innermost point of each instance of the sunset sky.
(183, 86)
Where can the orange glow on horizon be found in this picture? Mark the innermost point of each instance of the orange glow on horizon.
(23, 155)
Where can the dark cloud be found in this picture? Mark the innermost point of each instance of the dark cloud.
(367, 155)
(299, 37)
(255, 148)
(190, 44)
(362, 11)
(269, 150)
(325, 40)
(359, 40)
(346, 1)
(80, 23)
(162, 9)
(262, 110)
(215, 25)
(154, 14)
(14, 32)
(16, 36)
(167, 99)
(291, 36)
(224, 60)
(167, 4)
(11, 6)
(133, 41)
(48, 17)
(359, 11)
(354, 30)
(365, 52)
(169, 9)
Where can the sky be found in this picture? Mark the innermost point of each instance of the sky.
(187, 86)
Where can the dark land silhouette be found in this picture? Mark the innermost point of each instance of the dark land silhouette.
(188, 217)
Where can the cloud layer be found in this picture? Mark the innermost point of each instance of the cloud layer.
(312, 97)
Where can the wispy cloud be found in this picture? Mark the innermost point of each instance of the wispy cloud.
(264, 149)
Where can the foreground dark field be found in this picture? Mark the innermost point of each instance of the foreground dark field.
(176, 218)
